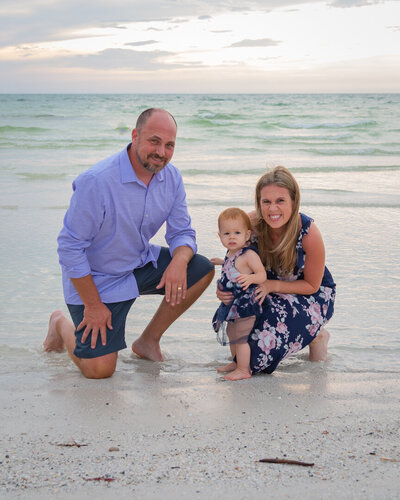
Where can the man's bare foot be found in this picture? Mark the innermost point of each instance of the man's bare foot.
(319, 346)
(237, 374)
(53, 340)
(227, 368)
(147, 350)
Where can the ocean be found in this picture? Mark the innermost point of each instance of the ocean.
(344, 150)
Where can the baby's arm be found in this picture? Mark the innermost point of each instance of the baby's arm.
(217, 261)
(256, 267)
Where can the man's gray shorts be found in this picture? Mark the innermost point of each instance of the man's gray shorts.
(147, 278)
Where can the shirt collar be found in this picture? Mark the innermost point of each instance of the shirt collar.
(127, 172)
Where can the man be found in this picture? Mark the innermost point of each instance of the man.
(117, 206)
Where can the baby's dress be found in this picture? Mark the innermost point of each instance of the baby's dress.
(289, 322)
(243, 303)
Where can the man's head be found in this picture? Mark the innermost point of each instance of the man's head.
(153, 140)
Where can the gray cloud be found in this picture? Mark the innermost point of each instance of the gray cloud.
(34, 21)
(109, 59)
(28, 21)
(120, 59)
(139, 44)
(354, 3)
(262, 42)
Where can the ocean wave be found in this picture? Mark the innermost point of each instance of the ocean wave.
(122, 129)
(9, 207)
(5, 129)
(84, 145)
(279, 104)
(217, 173)
(41, 177)
(301, 169)
(302, 138)
(205, 118)
(47, 115)
(205, 113)
(356, 124)
(203, 123)
(351, 152)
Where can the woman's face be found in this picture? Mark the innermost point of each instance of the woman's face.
(276, 205)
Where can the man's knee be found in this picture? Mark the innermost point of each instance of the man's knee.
(97, 368)
(201, 272)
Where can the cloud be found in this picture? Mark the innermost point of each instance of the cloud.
(28, 21)
(262, 42)
(121, 59)
(138, 44)
(354, 3)
(109, 59)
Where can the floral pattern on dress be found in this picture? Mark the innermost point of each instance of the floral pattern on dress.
(289, 322)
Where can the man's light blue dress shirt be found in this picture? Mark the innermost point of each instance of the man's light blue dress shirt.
(110, 220)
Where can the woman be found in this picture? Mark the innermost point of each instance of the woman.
(299, 293)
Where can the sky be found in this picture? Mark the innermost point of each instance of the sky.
(199, 46)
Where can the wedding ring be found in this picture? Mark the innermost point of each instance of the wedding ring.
(179, 288)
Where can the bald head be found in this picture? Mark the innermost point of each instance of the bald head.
(147, 113)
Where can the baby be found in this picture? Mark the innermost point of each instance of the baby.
(241, 270)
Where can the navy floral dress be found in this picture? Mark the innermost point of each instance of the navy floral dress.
(243, 303)
(289, 322)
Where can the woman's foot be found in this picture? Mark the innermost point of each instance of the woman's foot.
(319, 346)
(237, 374)
(227, 368)
(53, 340)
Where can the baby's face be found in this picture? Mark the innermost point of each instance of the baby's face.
(233, 234)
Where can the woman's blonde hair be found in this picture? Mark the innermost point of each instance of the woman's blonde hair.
(281, 258)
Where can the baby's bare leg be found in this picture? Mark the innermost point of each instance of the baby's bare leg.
(238, 336)
(242, 370)
(230, 366)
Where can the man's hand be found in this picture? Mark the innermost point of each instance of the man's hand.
(96, 318)
(174, 279)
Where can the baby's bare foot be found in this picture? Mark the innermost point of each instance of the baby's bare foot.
(237, 374)
(227, 368)
(53, 340)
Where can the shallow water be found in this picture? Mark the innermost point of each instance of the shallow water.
(343, 149)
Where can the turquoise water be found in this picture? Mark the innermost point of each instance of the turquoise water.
(343, 149)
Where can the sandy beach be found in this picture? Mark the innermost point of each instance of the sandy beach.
(189, 434)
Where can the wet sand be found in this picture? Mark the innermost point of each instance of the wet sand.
(154, 433)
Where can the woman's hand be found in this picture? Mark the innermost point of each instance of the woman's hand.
(224, 297)
(216, 261)
(262, 291)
